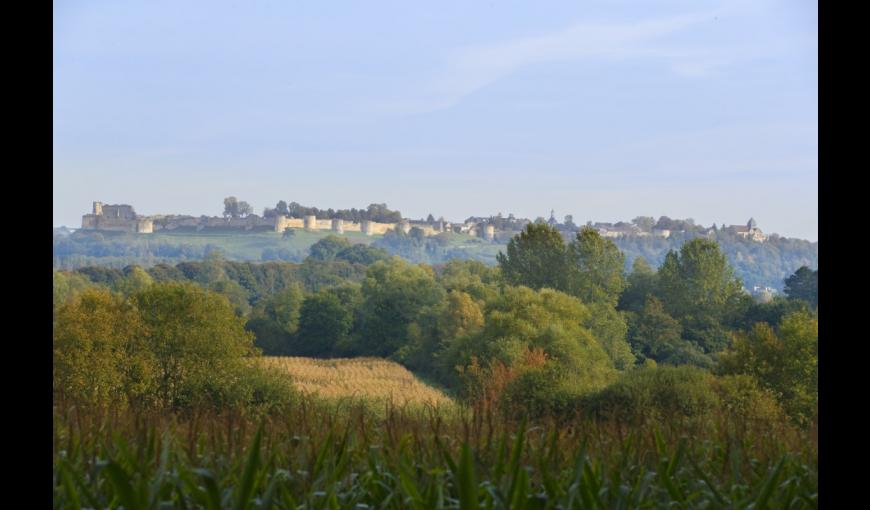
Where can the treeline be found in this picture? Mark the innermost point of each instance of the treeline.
(764, 264)
(552, 328)
(374, 212)
(419, 248)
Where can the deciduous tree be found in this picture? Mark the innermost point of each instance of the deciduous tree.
(536, 258)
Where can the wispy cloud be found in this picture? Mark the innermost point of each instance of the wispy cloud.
(470, 69)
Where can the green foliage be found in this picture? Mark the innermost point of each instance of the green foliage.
(328, 247)
(698, 288)
(362, 254)
(435, 334)
(171, 345)
(135, 279)
(472, 277)
(641, 284)
(317, 275)
(698, 281)
(97, 356)
(323, 322)
(804, 285)
(536, 258)
(656, 335)
(197, 342)
(462, 315)
(235, 294)
(282, 308)
(661, 392)
(746, 401)
(596, 268)
(784, 361)
(65, 286)
(521, 321)
(234, 208)
(539, 392)
(610, 328)
(765, 264)
(165, 273)
(395, 294)
(772, 312)
(321, 458)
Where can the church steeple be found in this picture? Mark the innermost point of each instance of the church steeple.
(553, 220)
(752, 223)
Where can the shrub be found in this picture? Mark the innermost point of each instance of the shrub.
(663, 392)
(538, 392)
(742, 398)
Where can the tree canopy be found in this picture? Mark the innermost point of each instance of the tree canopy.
(804, 284)
(536, 258)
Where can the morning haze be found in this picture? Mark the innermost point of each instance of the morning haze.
(699, 110)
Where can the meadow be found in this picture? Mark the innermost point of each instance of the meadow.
(248, 245)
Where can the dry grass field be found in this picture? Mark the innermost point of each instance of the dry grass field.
(367, 378)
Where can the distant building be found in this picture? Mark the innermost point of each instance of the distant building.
(552, 221)
(749, 231)
(118, 218)
(618, 230)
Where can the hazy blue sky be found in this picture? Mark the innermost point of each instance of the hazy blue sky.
(604, 110)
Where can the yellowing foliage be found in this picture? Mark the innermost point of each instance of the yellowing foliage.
(368, 378)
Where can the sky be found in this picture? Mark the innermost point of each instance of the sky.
(605, 110)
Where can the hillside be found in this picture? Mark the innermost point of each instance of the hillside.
(369, 378)
(764, 264)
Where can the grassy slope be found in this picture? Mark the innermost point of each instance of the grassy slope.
(246, 245)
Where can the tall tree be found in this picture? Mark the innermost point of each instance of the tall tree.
(804, 284)
(282, 308)
(245, 209)
(395, 294)
(698, 283)
(645, 223)
(94, 334)
(641, 283)
(281, 208)
(231, 207)
(198, 342)
(784, 360)
(536, 258)
(323, 322)
(596, 268)
(656, 335)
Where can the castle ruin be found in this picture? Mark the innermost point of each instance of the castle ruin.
(117, 218)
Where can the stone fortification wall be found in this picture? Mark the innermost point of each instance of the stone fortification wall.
(112, 224)
(338, 225)
(310, 222)
(122, 218)
(489, 232)
(429, 230)
(144, 226)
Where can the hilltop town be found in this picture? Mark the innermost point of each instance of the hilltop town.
(238, 216)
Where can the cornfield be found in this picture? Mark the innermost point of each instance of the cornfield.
(371, 379)
(309, 456)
